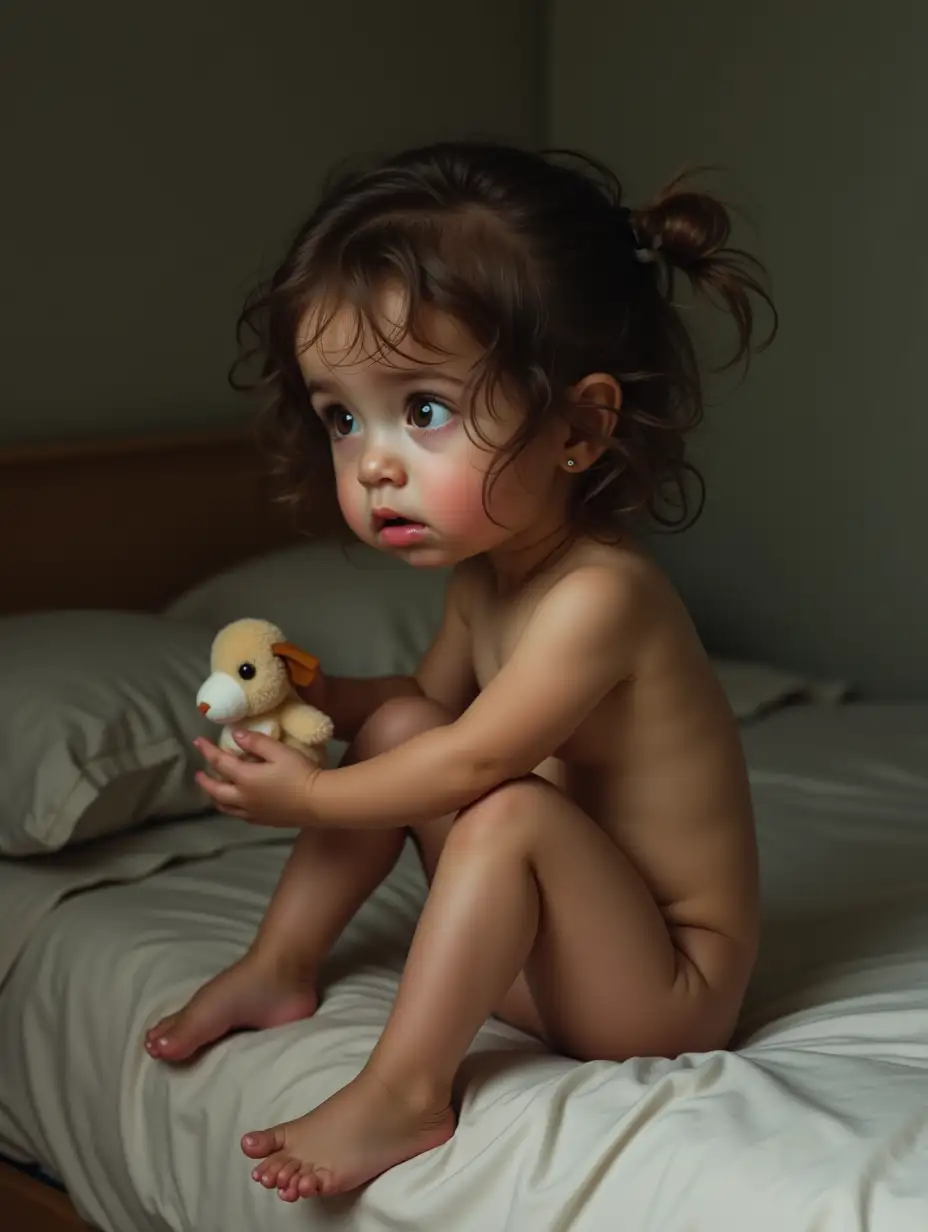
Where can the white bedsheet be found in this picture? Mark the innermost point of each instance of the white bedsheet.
(817, 1121)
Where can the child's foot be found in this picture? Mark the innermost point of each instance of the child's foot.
(360, 1132)
(250, 993)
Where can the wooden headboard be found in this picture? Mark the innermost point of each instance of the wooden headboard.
(130, 523)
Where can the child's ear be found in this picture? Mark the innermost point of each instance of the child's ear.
(301, 666)
(594, 408)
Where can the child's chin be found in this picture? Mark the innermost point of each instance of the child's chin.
(430, 560)
(425, 556)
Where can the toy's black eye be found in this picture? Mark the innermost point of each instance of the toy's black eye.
(246, 671)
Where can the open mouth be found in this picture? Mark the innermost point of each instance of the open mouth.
(396, 530)
(383, 518)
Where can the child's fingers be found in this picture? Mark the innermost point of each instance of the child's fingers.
(226, 764)
(226, 795)
(256, 743)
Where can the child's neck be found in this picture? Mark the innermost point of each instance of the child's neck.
(523, 557)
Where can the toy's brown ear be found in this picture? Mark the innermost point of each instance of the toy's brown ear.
(301, 666)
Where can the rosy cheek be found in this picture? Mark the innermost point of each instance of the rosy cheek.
(456, 498)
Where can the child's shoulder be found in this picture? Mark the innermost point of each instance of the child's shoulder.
(622, 574)
(619, 581)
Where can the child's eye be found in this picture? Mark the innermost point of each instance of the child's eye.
(429, 413)
(339, 421)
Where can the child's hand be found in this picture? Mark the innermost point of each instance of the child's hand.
(273, 791)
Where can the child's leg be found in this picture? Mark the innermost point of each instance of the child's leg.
(517, 1007)
(329, 874)
(525, 880)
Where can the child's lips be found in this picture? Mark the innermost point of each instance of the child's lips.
(383, 513)
(396, 530)
(403, 536)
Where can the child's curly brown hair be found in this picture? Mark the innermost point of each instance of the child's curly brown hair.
(537, 256)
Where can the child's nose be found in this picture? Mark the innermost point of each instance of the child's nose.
(381, 465)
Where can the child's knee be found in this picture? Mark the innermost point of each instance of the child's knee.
(512, 815)
(399, 720)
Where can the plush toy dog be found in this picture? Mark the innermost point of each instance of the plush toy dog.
(254, 671)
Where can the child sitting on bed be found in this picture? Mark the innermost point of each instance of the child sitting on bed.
(477, 349)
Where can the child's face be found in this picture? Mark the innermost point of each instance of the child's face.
(401, 448)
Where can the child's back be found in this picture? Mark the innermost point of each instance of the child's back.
(658, 762)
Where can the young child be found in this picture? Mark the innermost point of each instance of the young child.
(478, 347)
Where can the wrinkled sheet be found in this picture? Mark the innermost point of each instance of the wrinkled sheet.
(31, 888)
(815, 1121)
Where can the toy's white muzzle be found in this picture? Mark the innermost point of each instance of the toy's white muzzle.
(222, 699)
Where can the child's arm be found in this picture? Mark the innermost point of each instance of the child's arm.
(581, 641)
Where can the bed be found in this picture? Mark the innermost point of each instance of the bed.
(816, 1120)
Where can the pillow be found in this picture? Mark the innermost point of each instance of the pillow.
(754, 689)
(360, 612)
(99, 715)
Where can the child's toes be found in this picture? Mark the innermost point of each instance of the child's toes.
(164, 1024)
(153, 1036)
(272, 1169)
(308, 1184)
(268, 1176)
(287, 1172)
(291, 1193)
(260, 1171)
(261, 1142)
(171, 1040)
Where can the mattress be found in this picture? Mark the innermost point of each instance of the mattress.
(816, 1120)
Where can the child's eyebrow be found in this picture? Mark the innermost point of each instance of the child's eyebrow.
(398, 376)
(314, 386)
(410, 375)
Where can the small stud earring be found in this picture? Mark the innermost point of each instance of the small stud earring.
(571, 462)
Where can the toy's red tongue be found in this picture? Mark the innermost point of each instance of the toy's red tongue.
(204, 707)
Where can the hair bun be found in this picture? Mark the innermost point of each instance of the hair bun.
(692, 232)
(688, 227)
